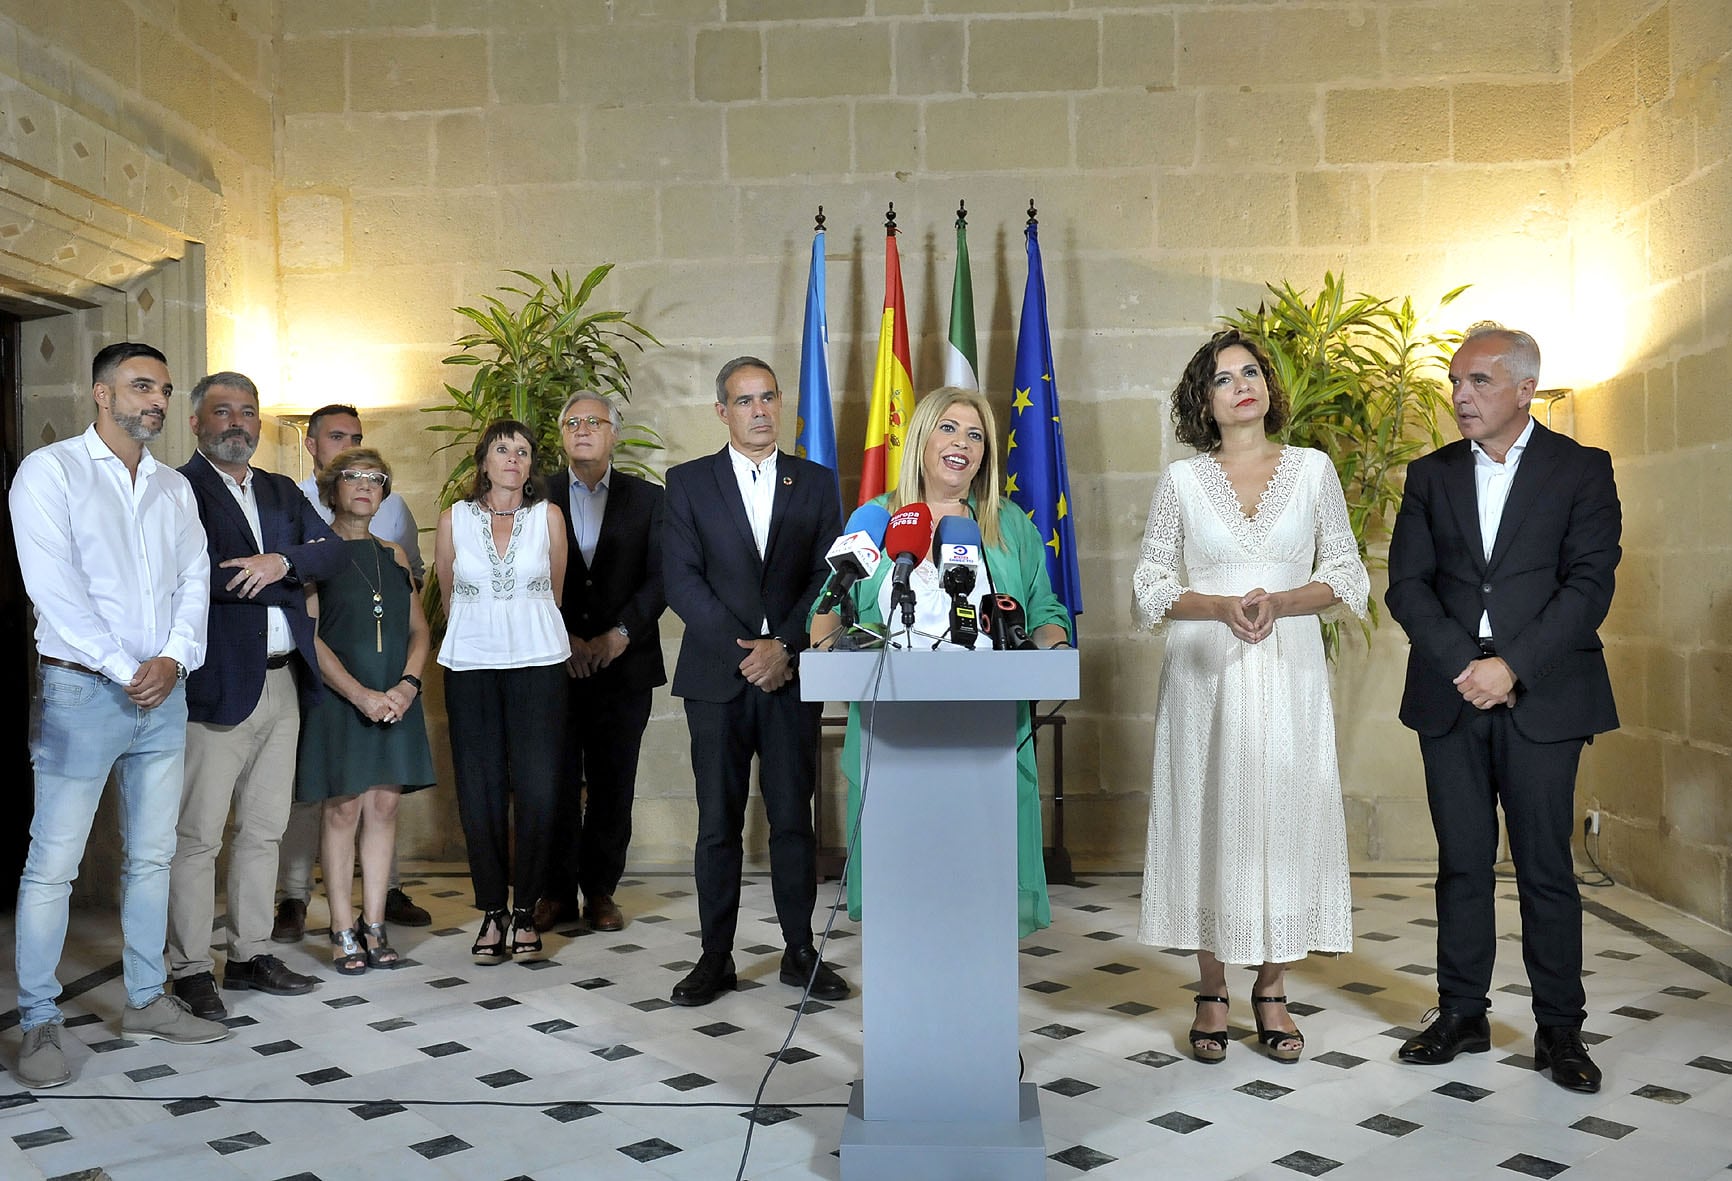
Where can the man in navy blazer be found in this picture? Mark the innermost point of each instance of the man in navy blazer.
(743, 543)
(1501, 569)
(612, 606)
(244, 705)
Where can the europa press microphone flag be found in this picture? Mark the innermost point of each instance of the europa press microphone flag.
(892, 380)
(815, 438)
(1039, 480)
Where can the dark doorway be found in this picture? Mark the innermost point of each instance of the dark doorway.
(15, 630)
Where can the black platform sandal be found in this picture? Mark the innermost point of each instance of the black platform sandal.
(1209, 1045)
(1272, 1038)
(525, 939)
(495, 952)
(380, 953)
(351, 958)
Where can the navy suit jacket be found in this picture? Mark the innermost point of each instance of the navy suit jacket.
(622, 586)
(717, 583)
(1547, 586)
(226, 689)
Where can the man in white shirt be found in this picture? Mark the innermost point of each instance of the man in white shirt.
(244, 706)
(332, 430)
(113, 558)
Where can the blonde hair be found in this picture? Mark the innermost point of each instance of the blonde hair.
(911, 481)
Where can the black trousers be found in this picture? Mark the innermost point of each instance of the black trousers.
(782, 731)
(592, 828)
(1481, 763)
(507, 742)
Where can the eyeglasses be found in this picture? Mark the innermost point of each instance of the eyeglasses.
(352, 476)
(585, 420)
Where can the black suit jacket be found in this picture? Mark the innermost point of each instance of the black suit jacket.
(717, 583)
(1546, 587)
(226, 689)
(623, 585)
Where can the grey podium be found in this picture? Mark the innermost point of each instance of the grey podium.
(939, 1096)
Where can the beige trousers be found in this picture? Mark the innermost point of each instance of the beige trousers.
(251, 768)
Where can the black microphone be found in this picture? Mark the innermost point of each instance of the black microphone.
(1005, 624)
(907, 541)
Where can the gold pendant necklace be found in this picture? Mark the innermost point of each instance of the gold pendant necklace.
(378, 597)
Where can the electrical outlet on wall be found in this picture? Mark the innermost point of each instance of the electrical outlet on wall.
(1591, 823)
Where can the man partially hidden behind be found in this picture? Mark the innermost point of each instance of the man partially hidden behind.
(1500, 570)
(113, 558)
(743, 541)
(330, 430)
(265, 543)
(613, 600)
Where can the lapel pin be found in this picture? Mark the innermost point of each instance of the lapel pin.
(788, 481)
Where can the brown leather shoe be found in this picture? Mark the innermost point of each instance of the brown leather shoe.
(550, 912)
(291, 921)
(604, 914)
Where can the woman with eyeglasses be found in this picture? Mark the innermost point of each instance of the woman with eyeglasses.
(500, 555)
(364, 742)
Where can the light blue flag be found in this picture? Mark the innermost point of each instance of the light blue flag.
(1039, 480)
(815, 437)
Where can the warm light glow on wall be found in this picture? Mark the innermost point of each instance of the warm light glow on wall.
(256, 351)
(335, 370)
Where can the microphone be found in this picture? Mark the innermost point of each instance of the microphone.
(854, 555)
(958, 544)
(907, 541)
(1005, 624)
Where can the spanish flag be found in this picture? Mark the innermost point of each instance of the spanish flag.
(892, 383)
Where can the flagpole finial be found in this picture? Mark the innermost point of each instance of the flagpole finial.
(890, 218)
(1033, 217)
(818, 222)
(962, 215)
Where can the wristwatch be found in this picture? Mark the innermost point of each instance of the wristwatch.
(624, 632)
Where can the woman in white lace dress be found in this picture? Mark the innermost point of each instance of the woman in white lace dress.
(1247, 543)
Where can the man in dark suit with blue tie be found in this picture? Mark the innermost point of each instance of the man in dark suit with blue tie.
(1501, 569)
(743, 543)
(244, 705)
(612, 604)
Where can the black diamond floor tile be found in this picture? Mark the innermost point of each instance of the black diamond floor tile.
(318, 1078)
(1307, 1164)
(371, 1111)
(145, 1073)
(345, 1002)
(188, 1106)
(794, 1055)
(1460, 1090)
(1389, 1125)
(1082, 1158)
(614, 1053)
(444, 1049)
(390, 1023)
(1263, 1089)
(503, 1078)
(1057, 1032)
(770, 1115)
(1155, 1058)
(1704, 1062)
(556, 1025)
(717, 1029)
(1116, 969)
(645, 1151)
(688, 1082)
(42, 1138)
(1639, 1014)
(1532, 1166)
(1362, 988)
(240, 1142)
(1595, 1126)
(1661, 1094)
(1178, 1121)
(440, 1146)
(565, 1113)
(1070, 1088)
(1046, 986)
(1337, 1058)
(1133, 1008)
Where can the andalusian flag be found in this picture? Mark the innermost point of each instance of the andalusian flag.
(1039, 480)
(961, 355)
(892, 384)
(815, 438)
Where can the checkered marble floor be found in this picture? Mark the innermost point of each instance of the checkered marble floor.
(578, 1068)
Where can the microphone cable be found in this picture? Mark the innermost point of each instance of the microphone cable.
(871, 705)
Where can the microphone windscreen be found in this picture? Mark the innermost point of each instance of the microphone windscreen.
(910, 532)
(870, 519)
(956, 530)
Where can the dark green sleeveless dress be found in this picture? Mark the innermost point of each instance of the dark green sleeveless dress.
(342, 753)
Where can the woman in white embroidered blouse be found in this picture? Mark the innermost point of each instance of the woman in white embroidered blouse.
(1246, 544)
(500, 556)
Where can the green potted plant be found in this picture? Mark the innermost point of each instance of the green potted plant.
(1367, 387)
(527, 360)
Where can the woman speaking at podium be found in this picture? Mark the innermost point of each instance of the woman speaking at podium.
(950, 463)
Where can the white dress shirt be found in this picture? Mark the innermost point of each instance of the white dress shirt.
(758, 489)
(116, 567)
(1491, 484)
(393, 522)
(588, 506)
(279, 640)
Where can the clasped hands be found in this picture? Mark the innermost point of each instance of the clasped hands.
(1251, 617)
(591, 656)
(1486, 683)
(767, 664)
(388, 706)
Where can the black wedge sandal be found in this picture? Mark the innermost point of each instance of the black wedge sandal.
(1209, 1046)
(525, 939)
(380, 953)
(351, 957)
(495, 952)
(1272, 1038)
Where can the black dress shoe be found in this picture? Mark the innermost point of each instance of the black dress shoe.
(199, 991)
(1561, 1048)
(797, 968)
(267, 974)
(290, 925)
(401, 911)
(713, 976)
(1451, 1034)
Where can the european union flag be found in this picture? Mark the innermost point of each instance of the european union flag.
(815, 436)
(1039, 479)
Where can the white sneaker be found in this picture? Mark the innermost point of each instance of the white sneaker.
(170, 1019)
(41, 1063)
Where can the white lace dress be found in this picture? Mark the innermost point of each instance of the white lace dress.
(1247, 847)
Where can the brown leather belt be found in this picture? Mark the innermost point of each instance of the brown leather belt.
(59, 663)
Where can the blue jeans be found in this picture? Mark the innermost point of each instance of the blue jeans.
(85, 725)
